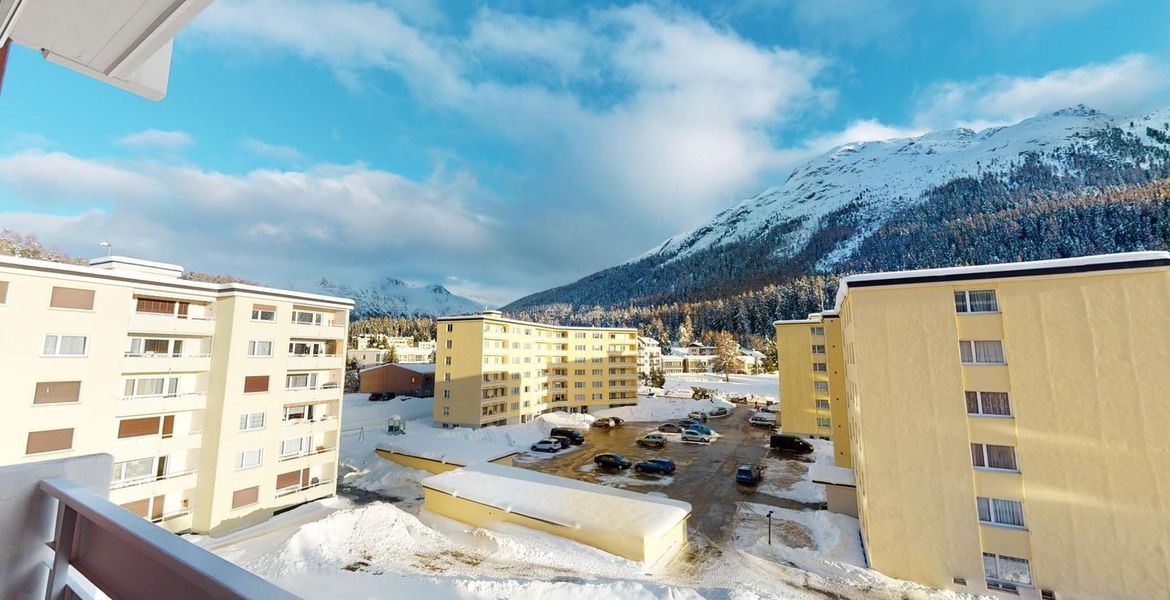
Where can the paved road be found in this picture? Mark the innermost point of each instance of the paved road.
(705, 476)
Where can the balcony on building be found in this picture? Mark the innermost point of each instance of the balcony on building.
(167, 354)
(310, 354)
(312, 387)
(160, 315)
(317, 324)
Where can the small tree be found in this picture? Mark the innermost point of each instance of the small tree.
(352, 378)
(726, 354)
(686, 331)
(393, 354)
(657, 378)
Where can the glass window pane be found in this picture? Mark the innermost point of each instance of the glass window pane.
(982, 301)
(990, 569)
(1009, 512)
(961, 302)
(996, 403)
(965, 353)
(50, 345)
(977, 455)
(73, 345)
(984, 509)
(989, 351)
(1001, 457)
(1015, 570)
(972, 403)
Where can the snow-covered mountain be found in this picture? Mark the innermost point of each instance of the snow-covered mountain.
(396, 298)
(817, 220)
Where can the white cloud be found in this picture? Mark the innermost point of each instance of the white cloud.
(1130, 84)
(156, 139)
(1017, 15)
(853, 22)
(273, 151)
(558, 43)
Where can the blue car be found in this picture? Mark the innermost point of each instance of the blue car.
(749, 474)
(703, 429)
(656, 466)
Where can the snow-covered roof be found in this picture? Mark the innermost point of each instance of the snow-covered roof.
(423, 368)
(447, 450)
(484, 316)
(647, 341)
(1034, 268)
(561, 500)
(820, 472)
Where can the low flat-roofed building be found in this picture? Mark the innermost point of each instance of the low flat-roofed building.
(640, 527)
(403, 379)
(439, 455)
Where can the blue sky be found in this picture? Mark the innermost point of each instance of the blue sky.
(502, 148)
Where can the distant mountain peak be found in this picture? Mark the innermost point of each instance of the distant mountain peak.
(393, 297)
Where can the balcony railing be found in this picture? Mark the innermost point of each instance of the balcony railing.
(164, 396)
(98, 545)
(288, 491)
(313, 452)
(124, 483)
(163, 355)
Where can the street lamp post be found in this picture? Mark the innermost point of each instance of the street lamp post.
(770, 527)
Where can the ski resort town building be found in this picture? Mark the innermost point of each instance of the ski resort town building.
(649, 355)
(494, 371)
(1007, 423)
(220, 403)
(812, 380)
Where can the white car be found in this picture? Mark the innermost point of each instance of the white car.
(763, 419)
(770, 408)
(693, 435)
(546, 446)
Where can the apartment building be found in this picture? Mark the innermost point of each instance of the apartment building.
(812, 380)
(493, 371)
(649, 355)
(220, 403)
(1008, 425)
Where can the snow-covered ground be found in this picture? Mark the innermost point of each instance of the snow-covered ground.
(662, 409)
(764, 387)
(339, 548)
(790, 479)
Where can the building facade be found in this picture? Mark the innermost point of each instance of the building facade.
(649, 355)
(811, 370)
(493, 371)
(1007, 425)
(219, 402)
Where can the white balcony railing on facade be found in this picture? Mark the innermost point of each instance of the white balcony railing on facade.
(125, 483)
(304, 453)
(288, 491)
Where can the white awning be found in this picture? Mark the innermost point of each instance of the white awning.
(126, 43)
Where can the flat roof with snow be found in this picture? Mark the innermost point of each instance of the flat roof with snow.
(831, 474)
(446, 450)
(562, 501)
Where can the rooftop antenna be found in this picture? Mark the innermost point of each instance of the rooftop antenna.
(108, 246)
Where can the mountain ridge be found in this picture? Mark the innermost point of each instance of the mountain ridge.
(393, 297)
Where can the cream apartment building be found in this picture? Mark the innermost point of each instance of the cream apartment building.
(493, 371)
(1007, 424)
(219, 402)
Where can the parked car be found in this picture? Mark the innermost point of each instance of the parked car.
(652, 440)
(693, 435)
(763, 420)
(719, 411)
(382, 396)
(703, 429)
(549, 445)
(617, 421)
(771, 408)
(576, 437)
(749, 474)
(603, 423)
(656, 466)
(612, 461)
(786, 442)
(698, 415)
(686, 423)
(562, 440)
(670, 428)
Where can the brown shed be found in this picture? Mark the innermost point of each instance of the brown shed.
(414, 379)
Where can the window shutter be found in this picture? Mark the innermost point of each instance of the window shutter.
(150, 305)
(138, 427)
(138, 507)
(3, 292)
(168, 426)
(52, 392)
(74, 298)
(156, 511)
(49, 441)
(289, 479)
(245, 496)
(255, 383)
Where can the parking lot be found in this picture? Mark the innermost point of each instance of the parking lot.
(705, 475)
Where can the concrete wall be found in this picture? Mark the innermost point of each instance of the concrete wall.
(430, 465)
(842, 499)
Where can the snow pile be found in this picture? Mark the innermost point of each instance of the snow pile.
(819, 541)
(568, 502)
(792, 479)
(765, 387)
(663, 409)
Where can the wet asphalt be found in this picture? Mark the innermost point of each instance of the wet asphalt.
(706, 472)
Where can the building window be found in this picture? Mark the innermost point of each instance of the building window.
(56, 392)
(249, 459)
(823, 422)
(597, 384)
(817, 330)
(446, 377)
(446, 394)
(65, 345)
(259, 348)
(3, 292)
(981, 352)
(51, 440)
(820, 367)
(450, 327)
(263, 312)
(988, 403)
(245, 497)
(448, 344)
(447, 360)
(976, 301)
(295, 446)
(151, 386)
(255, 384)
(818, 348)
(991, 456)
(130, 470)
(71, 298)
(302, 317)
(822, 404)
(1006, 572)
(1000, 512)
(252, 421)
(821, 386)
(147, 426)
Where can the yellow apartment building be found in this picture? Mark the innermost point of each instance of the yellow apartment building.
(1008, 425)
(812, 380)
(490, 370)
(220, 403)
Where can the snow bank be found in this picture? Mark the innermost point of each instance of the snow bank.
(662, 409)
(767, 387)
(793, 479)
(834, 541)
(560, 500)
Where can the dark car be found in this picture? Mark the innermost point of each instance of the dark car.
(564, 441)
(749, 474)
(612, 461)
(670, 428)
(617, 421)
(576, 437)
(382, 396)
(656, 466)
(787, 442)
(688, 423)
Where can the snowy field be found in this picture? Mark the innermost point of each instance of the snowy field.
(341, 548)
(662, 409)
(765, 387)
